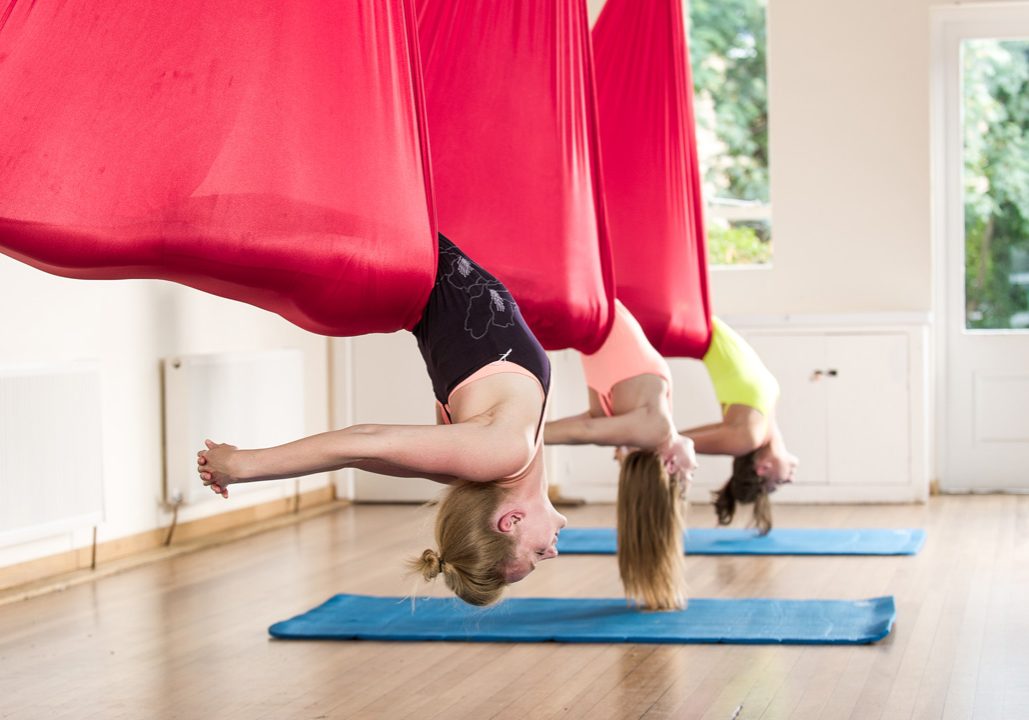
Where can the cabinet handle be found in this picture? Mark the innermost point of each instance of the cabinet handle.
(819, 374)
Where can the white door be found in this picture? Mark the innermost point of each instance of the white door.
(981, 213)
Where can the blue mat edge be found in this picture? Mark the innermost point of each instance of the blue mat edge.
(918, 538)
(882, 631)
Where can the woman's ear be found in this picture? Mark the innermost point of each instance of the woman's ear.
(506, 522)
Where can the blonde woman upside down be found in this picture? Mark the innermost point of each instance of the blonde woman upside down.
(491, 379)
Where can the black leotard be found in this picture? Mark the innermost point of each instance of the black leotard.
(470, 321)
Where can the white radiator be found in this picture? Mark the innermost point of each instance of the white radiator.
(51, 476)
(252, 399)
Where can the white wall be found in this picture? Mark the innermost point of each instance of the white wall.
(128, 326)
(848, 99)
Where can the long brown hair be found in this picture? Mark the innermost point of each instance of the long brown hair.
(472, 552)
(650, 527)
(744, 486)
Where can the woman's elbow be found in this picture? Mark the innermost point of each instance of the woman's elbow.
(749, 439)
(657, 432)
(499, 463)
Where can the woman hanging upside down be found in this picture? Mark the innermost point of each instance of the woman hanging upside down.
(629, 395)
(747, 392)
(491, 379)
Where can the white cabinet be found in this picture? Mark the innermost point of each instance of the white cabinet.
(869, 410)
(854, 409)
(845, 408)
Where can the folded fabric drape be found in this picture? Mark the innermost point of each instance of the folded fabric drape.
(511, 112)
(651, 176)
(266, 151)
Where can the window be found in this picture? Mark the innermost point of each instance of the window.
(995, 126)
(727, 52)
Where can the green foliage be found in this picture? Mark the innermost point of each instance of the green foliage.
(996, 182)
(739, 245)
(727, 52)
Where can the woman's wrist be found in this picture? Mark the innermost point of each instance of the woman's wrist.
(244, 464)
(671, 437)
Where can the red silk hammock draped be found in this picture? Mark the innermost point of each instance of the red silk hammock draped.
(511, 113)
(651, 176)
(266, 151)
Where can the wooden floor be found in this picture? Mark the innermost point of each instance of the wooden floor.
(186, 637)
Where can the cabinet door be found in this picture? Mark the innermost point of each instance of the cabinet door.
(801, 411)
(868, 409)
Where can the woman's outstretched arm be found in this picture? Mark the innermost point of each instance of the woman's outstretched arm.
(475, 451)
(640, 428)
(742, 431)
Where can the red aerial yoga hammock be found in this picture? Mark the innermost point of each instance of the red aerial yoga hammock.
(511, 113)
(651, 177)
(266, 151)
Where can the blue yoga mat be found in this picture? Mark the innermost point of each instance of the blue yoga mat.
(785, 541)
(608, 620)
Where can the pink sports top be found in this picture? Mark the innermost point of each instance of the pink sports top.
(625, 354)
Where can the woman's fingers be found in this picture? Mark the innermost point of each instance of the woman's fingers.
(205, 473)
(216, 486)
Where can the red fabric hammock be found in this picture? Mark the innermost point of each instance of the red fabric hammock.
(511, 112)
(271, 152)
(651, 176)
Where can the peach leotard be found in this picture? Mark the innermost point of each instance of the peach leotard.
(626, 353)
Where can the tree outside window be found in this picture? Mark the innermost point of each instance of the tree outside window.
(727, 52)
(995, 114)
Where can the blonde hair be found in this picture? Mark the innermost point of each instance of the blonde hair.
(650, 527)
(472, 552)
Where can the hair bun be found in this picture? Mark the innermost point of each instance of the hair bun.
(430, 564)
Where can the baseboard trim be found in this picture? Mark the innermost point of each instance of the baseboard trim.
(57, 572)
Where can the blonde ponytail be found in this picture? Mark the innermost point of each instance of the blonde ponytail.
(429, 565)
(650, 528)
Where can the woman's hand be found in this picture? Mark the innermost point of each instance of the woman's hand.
(680, 460)
(216, 467)
(679, 456)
